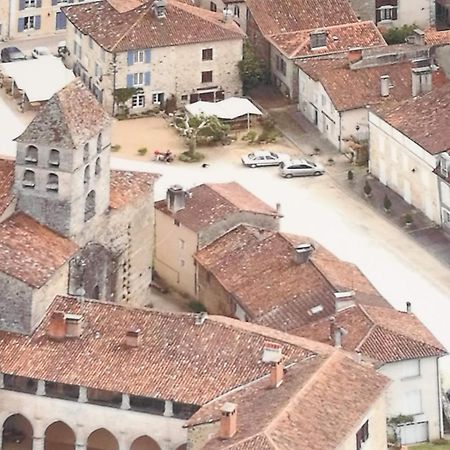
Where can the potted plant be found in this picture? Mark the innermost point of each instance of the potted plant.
(387, 203)
(350, 175)
(367, 189)
(330, 161)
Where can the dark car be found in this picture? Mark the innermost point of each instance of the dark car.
(11, 54)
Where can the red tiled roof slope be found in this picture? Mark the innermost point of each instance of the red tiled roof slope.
(434, 37)
(139, 28)
(31, 252)
(6, 185)
(340, 38)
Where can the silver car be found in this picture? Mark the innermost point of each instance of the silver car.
(300, 168)
(264, 158)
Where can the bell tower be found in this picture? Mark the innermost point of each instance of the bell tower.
(63, 161)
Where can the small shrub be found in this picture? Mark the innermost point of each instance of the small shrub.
(197, 306)
(142, 151)
(398, 35)
(115, 148)
(367, 189)
(350, 175)
(250, 137)
(387, 203)
(267, 123)
(190, 158)
(330, 161)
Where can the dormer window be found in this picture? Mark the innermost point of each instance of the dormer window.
(86, 152)
(28, 179)
(53, 159)
(52, 182)
(31, 156)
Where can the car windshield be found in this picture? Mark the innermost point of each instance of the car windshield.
(251, 156)
(310, 163)
(273, 155)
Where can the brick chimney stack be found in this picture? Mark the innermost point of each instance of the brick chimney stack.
(276, 374)
(57, 326)
(133, 337)
(74, 325)
(228, 421)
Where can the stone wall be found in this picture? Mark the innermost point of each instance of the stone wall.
(364, 9)
(257, 39)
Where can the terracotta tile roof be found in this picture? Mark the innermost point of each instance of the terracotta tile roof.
(70, 118)
(6, 185)
(274, 17)
(125, 187)
(139, 28)
(434, 37)
(31, 252)
(356, 88)
(291, 417)
(211, 203)
(381, 334)
(422, 119)
(340, 38)
(257, 268)
(177, 360)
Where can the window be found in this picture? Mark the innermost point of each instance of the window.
(99, 143)
(207, 54)
(157, 98)
(139, 56)
(98, 167)
(362, 435)
(411, 368)
(86, 152)
(52, 182)
(98, 70)
(28, 23)
(280, 64)
(28, 179)
(31, 156)
(53, 159)
(388, 12)
(138, 79)
(207, 76)
(91, 42)
(184, 98)
(30, 3)
(236, 10)
(213, 7)
(86, 175)
(138, 101)
(445, 216)
(443, 165)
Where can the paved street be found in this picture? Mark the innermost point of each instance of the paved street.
(27, 44)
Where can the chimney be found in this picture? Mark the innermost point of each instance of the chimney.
(74, 324)
(337, 337)
(317, 39)
(272, 352)
(57, 326)
(421, 74)
(344, 300)
(419, 37)
(200, 317)
(175, 198)
(302, 253)
(276, 374)
(332, 327)
(159, 7)
(133, 337)
(354, 55)
(408, 307)
(358, 356)
(278, 208)
(228, 420)
(385, 83)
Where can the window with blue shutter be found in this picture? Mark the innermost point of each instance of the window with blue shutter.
(130, 58)
(38, 3)
(130, 80)
(147, 55)
(61, 21)
(147, 78)
(37, 22)
(21, 5)
(21, 25)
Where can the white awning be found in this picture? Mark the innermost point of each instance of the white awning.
(228, 109)
(38, 78)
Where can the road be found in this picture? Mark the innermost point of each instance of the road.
(28, 43)
(317, 207)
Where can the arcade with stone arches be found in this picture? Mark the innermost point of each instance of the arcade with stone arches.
(18, 433)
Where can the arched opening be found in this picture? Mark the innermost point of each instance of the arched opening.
(86, 152)
(96, 292)
(182, 447)
(53, 159)
(86, 175)
(102, 440)
(31, 156)
(17, 433)
(99, 143)
(52, 182)
(89, 208)
(98, 167)
(145, 443)
(59, 436)
(29, 180)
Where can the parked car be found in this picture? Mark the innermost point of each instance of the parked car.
(264, 158)
(300, 168)
(62, 49)
(11, 54)
(39, 52)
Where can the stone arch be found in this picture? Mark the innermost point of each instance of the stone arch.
(52, 182)
(18, 429)
(102, 439)
(54, 158)
(31, 154)
(29, 179)
(59, 436)
(145, 443)
(89, 207)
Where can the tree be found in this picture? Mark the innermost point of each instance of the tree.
(251, 68)
(122, 95)
(200, 125)
(398, 35)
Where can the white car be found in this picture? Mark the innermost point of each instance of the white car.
(39, 52)
(300, 168)
(264, 158)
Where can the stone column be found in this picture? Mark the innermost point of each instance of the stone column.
(82, 396)
(38, 442)
(125, 402)
(40, 387)
(168, 408)
(2, 385)
(80, 446)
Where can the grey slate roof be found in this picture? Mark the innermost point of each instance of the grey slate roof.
(69, 119)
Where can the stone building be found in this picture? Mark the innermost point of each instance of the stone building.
(101, 375)
(69, 225)
(187, 221)
(159, 49)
